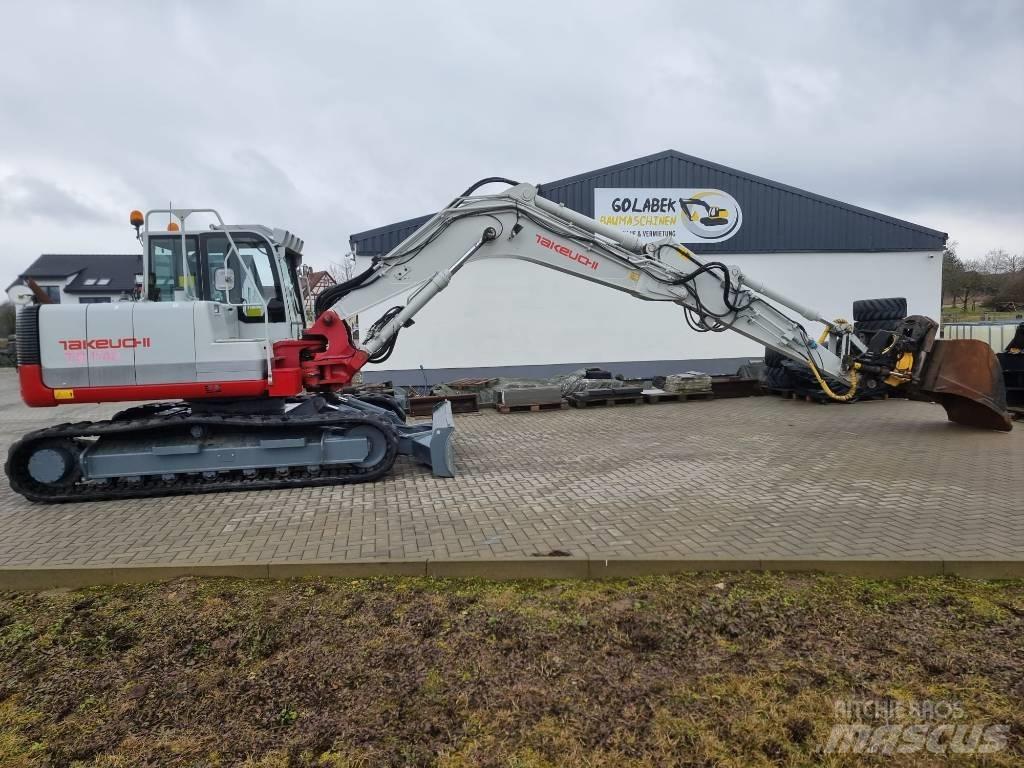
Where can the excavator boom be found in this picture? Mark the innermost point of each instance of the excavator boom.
(963, 376)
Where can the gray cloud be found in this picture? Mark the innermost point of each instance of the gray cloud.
(24, 197)
(331, 118)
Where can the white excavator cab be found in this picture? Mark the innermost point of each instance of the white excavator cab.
(212, 303)
(251, 269)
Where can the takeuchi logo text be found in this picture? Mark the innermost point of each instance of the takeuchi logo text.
(128, 342)
(569, 253)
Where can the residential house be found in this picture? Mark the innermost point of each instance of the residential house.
(82, 278)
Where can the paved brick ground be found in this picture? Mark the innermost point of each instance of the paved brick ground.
(757, 478)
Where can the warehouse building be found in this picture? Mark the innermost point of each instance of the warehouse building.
(512, 318)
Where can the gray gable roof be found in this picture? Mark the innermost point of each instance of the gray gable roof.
(776, 217)
(119, 268)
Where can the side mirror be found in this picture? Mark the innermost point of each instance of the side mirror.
(224, 279)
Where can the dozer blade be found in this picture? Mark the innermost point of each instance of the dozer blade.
(431, 444)
(965, 378)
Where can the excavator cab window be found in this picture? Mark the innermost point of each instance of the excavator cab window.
(248, 293)
(294, 260)
(256, 283)
(168, 280)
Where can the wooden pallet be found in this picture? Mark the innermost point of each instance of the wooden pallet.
(424, 405)
(381, 388)
(785, 394)
(677, 397)
(531, 407)
(471, 384)
(733, 386)
(585, 402)
(821, 398)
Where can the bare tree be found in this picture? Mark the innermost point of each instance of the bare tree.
(999, 262)
(1011, 291)
(342, 271)
(975, 286)
(952, 273)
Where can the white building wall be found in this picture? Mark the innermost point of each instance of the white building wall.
(65, 297)
(514, 313)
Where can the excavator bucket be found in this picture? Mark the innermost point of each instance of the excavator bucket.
(965, 378)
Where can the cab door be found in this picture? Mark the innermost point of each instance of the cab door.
(241, 314)
(165, 318)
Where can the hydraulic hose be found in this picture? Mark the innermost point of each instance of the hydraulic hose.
(854, 378)
(824, 334)
(331, 296)
(489, 180)
(336, 293)
(821, 381)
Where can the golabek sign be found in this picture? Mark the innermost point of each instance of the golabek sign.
(684, 215)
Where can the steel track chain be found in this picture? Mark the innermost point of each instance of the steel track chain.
(151, 486)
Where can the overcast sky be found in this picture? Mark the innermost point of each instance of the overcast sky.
(332, 118)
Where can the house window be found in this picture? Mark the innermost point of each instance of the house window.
(103, 281)
(89, 281)
(93, 299)
(53, 292)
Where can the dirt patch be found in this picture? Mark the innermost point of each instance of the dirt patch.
(702, 670)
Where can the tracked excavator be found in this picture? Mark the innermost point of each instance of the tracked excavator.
(257, 395)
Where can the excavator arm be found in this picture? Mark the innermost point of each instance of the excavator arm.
(521, 224)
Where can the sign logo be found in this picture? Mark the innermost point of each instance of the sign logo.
(683, 215)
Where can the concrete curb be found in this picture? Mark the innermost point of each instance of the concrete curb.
(28, 578)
